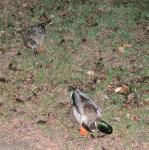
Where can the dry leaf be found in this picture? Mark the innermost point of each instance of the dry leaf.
(90, 73)
(118, 90)
(42, 121)
(145, 91)
(124, 89)
(127, 45)
(116, 119)
(1, 103)
(3, 80)
(19, 100)
(12, 67)
(131, 97)
(2, 33)
(84, 40)
(103, 148)
(33, 87)
(102, 76)
(62, 41)
(25, 4)
(132, 117)
(109, 88)
(120, 50)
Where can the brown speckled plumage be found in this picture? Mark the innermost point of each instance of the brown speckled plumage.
(33, 36)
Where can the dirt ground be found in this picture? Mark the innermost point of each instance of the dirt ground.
(101, 47)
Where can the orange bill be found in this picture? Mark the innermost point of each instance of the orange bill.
(83, 132)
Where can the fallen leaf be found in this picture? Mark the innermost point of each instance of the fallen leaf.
(64, 14)
(140, 79)
(12, 67)
(25, 4)
(125, 105)
(128, 126)
(13, 109)
(3, 80)
(42, 121)
(146, 102)
(19, 53)
(127, 45)
(95, 24)
(33, 96)
(2, 32)
(62, 41)
(19, 100)
(132, 117)
(102, 76)
(128, 116)
(84, 40)
(1, 103)
(145, 91)
(2, 50)
(130, 97)
(38, 65)
(110, 88)
(120, 50)
(103, 148)
(124, 89)
(34, 87)
(90, 73)
(135, 118)
(49, 66)
(118, 89)
(116, 119)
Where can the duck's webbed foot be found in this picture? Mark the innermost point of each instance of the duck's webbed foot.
(84, 132)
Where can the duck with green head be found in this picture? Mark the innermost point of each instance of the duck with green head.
(87, 113)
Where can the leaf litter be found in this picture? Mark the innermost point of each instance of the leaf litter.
(26, 130)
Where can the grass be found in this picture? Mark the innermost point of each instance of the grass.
(104, 26)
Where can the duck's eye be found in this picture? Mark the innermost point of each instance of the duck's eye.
(92, 126)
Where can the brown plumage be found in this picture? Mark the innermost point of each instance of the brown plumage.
(33, 36)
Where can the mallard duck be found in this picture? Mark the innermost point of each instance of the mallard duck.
(88, 114)
(33, 36)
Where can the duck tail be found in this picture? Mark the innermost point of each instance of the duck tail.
(71, 90)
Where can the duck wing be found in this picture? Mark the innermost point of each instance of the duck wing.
(40, 28)
(89, 105)
(77, 102)
(37, 31)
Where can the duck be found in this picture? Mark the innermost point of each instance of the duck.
(33, 36)
(88, 114)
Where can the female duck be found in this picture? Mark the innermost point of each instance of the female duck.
(33, 36)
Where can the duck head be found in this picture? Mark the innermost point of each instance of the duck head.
(104, 127)
(71, 90)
